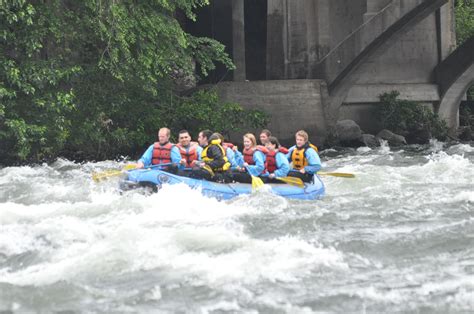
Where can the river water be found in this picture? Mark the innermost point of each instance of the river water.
(397, 238)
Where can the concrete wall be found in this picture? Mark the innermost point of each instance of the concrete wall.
(344, 17)
(293, 104)
(409, 60)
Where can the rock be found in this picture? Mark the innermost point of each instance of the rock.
(347, 131)
(369, 140)
(421, 136)
(392, 138)
(465, 133)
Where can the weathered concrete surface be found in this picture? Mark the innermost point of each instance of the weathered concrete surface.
(276, 40)
(339, 87)
(408, 59)
(238, 35)
(369, 93)
(454, 76)
(293, 104)
(447, 35)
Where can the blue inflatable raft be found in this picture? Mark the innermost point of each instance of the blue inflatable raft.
(155, 178)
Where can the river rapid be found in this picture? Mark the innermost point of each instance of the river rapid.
(397, 238)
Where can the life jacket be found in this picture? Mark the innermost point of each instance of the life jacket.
(207, 159)
(248, 153)
(298, 157)
(161, 153)
(190, 155)
(270, 161)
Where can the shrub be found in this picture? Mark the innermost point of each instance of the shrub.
(409, 118)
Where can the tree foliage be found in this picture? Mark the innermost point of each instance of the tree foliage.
(98, 77)
(407, 117)
(464, 12)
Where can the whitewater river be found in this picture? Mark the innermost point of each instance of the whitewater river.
(397, 238)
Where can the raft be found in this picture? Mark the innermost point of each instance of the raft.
(155, 178)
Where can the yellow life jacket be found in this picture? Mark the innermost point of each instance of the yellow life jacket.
(207, 159)
(298, 157)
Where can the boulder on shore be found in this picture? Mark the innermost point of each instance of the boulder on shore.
(392, 138)
(369, 140)
(347, 131)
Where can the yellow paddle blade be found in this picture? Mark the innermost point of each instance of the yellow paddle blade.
(129, 167)
(98, 176)
(256, 183)
(337, 174)
(293, 181)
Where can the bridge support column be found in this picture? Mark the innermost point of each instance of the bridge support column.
(303, 38)
(238, 39)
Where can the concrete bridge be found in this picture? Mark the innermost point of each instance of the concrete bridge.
(454, 76)
(310, 63)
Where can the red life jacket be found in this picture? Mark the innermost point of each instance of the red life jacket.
(270, 161)
(190, 155)
(161, 153)
(248, 153)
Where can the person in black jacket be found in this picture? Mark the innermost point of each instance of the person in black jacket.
(214, 162)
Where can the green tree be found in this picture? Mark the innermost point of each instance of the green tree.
(98, 77)
(464, 12)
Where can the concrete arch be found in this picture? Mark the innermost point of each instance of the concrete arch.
(454, 76)
(339, 85)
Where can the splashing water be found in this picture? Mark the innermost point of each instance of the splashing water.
(399, 237)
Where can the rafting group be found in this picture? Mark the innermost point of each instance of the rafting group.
(212, 159)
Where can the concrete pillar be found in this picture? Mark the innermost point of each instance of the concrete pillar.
(447, 30)
(238, 39)
(323, 27)
(302, 38)
(277, 34)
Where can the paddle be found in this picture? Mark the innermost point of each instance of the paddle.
(292, 181)
(337, 174)
(257, 183)
(98, 176)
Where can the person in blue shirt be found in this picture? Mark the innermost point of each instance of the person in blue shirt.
(304, 158)
(190, 151)
(276, 165)
(161, 152)
(252, 160)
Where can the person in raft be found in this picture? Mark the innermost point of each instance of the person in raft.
(304, 158)
(264, 135)
(162, 152)
(230, 150)
(213, 158)
(276, 165)
(190, 152)
(252, 160)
